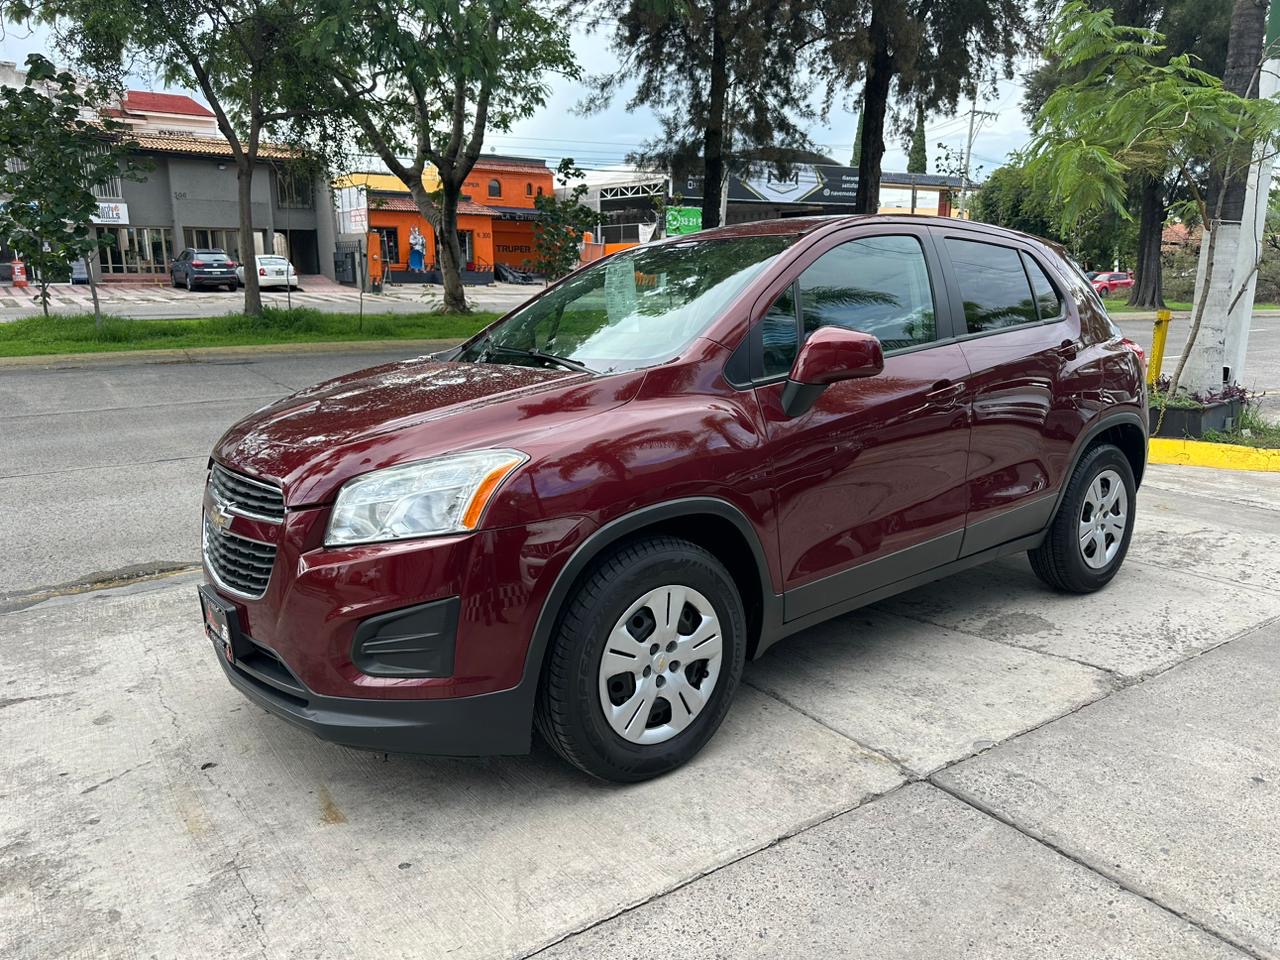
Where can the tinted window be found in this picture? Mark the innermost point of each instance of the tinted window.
(1047, 299)
(879, 286)
(779, 334)
(993, 285)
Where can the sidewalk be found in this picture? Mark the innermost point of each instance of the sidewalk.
(977, 768)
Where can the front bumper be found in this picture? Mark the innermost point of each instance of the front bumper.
(485, 725)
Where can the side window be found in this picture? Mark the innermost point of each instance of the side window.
(1048, 302)
(878, 285)
(993, 285)
(778, 332)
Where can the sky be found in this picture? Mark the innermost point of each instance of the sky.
(602, 140)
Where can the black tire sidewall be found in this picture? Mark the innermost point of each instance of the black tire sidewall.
(597, 747)
(1100, 458)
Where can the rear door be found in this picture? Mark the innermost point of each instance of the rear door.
(870, 482)
(1021, 340)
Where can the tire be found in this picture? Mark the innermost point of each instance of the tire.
(190, 288)
(621, 592)
(1067, 561)
(173, 279)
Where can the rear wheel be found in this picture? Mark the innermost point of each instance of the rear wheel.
(1089, 536)
(645, 661)
(190, 286)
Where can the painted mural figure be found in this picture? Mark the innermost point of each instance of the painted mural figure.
(417, 250)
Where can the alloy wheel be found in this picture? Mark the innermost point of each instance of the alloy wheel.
(1103, 518)
(660, 664)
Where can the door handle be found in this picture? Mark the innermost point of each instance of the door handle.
(944, 393)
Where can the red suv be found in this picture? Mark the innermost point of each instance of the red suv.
(585, 518)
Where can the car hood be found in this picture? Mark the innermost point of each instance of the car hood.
(314, 440)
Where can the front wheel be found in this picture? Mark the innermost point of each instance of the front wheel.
(644, 662)
(1089, 537)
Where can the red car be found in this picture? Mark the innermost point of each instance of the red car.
(588, 516)
(1108, 283)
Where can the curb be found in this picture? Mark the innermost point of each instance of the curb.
(204, 354)
(1223, 456)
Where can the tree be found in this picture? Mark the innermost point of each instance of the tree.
(57, 149)
(1134, 111)
(422, 82)
(856, 158)
(557, 234)
(1197, 27)
(935, 52)
(244, 56)
(724, 76)
(917, 158)
(1010, 199)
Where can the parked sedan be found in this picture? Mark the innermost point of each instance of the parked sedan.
(203, 268)
(1107, 283)
(273, 271)
(584, 519)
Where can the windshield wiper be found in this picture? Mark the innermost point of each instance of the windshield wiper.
(490, 348)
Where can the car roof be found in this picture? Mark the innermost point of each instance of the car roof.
(800, 226)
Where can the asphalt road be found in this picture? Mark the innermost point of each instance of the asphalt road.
(102, 464)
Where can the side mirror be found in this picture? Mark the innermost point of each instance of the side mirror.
(831, 354)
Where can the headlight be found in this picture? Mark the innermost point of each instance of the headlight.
(444, 495)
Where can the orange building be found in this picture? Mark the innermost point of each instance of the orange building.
(495, 220)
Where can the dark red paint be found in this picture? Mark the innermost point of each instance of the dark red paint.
(830, 355)
(939, 438)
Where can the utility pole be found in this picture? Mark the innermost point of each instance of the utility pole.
(976, 118)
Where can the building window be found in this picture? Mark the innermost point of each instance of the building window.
(136, 250)
(539, 191)
(296, 191)
(390, 237)
(495, 188)
(528, 189)
(226, 240)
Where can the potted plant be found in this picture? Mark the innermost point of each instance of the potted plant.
(1192, 415)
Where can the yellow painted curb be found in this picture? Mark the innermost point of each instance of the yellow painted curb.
(1224, 456)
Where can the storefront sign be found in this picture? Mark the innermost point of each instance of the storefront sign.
(682, 220)
(112, 213)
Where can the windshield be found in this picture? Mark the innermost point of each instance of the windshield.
(638, 308)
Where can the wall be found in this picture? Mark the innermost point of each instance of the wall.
(403, 221)
(514, 185)
(513, 242)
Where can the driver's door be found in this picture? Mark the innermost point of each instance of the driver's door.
(870, 482)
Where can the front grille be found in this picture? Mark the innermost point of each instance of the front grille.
(250, 498)
(238, 563)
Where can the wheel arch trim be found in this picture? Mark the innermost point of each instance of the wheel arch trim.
(617, 530)
(1095, 429)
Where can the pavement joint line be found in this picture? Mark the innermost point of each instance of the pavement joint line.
(100, 466)
(901, 766)
(804, 827)
(25, 600)
(1009, 643)
(1109, 875)
(1156, 565)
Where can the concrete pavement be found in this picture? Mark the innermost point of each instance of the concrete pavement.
(978, 768)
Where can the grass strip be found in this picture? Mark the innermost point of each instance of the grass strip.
(76, 333)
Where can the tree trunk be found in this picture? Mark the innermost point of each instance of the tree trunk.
(713, 178)
(875, 103)
(449, 249)
(1148, 275)
(1244, 53)
(248, 253)
(93, 291)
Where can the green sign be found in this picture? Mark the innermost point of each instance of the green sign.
(683, 220)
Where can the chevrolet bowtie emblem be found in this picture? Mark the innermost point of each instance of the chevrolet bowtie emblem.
(219, 517)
